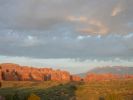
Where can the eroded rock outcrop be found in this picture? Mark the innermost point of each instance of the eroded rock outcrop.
(76, 78)
(14, 72)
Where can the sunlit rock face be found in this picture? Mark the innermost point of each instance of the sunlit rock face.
(100, 77)
(9, 72)
(76, 78)
(14, 72)
(0, 74)
(60, 75)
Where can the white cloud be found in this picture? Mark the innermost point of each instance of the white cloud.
(128, 36)
(30, 41)
(30, 37)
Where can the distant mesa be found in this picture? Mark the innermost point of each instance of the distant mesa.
(103, 77)
(108, 73)
(114, 70)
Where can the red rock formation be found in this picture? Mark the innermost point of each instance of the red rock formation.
(101, 77)
(58, 75)
(36, 75)
(24, 73)
(0, 74)
(14, 72)
(9, 71)
(128, 76)
(75, 78)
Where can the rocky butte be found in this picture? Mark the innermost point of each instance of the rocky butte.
(15, 72)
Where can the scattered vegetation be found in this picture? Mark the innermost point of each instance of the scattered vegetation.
(106, 90)
(51, 90)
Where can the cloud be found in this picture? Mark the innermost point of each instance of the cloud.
(42, 15)
(66, 28)
(30, 41)
(116, 10)
(97, 27)
(64, 44)
(77, 19)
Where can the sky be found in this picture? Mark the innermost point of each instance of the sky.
(74, 35)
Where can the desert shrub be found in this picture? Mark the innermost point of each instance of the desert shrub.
(60, 84)
(73, 87)
(33, 97)
(101, 98)
(9, 97)
(15, 96)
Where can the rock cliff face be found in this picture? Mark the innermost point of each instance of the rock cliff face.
(100, 77)
(14, 72)
(76, 78)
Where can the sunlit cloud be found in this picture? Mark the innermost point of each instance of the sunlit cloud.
(77, 19)
(96, 27)
(116, 10)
